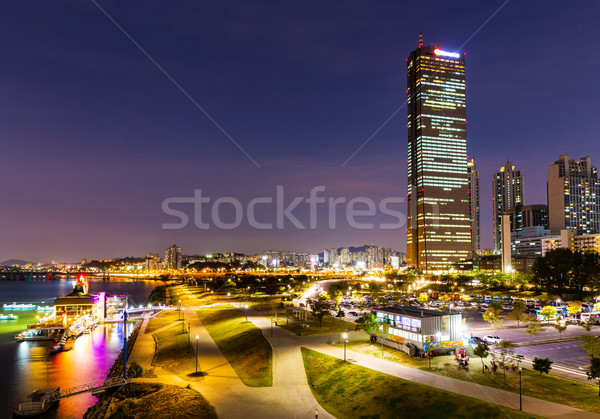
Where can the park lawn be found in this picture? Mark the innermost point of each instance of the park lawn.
(330, 325)
(162, 319)
(546, 387)
(242, 343)
(350, 391)
(174, 354)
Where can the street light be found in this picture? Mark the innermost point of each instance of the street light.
(196, 354)
(271, 326)
(345, 336)
(189, 326)
(520, 397)
(246, 306)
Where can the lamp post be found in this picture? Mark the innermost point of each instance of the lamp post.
(271, 326)
(345, 337)
(246, 307)
(189, 343)
(520, 396)
(196, 354)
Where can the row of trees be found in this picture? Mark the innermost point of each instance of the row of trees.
(563, 271)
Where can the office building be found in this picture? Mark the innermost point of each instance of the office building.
(474, 212)
(573, 196)
(528, 241)
(438, 221)
(172, 258)
(507, 188)
(524, 216)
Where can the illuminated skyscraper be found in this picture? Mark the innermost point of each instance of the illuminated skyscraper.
(173, 258)
(474, 205)
(507, 194)
(439, 226)
(574, 196)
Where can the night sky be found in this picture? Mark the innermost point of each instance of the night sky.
(95, 136)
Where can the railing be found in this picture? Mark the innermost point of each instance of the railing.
(84, 388)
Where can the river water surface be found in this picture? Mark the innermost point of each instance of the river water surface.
(26, 366)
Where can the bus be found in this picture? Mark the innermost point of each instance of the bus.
(595, 315)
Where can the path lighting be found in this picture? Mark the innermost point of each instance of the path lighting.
(520, 396)
(345, 337)
(196, 354)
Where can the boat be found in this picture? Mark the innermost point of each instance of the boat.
(37, 403)
(15, 306)
(40, 333)
(8, 317)
(45, 308)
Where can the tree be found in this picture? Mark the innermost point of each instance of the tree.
(382, 333)
(319, 310)
(423, 298)
(548, 312)
(367, 323)
(492, 315)
(533, 327)
(445, 298)
(594, 372)
(574, 307)
(482, 351)
(587, 325)
(542, 365)
(337, 297)
(518, 313)
(591, 344)
(505, 349)
(553, 270)
(560, 328)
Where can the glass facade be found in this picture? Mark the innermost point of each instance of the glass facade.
(439, 225)
(508, 194)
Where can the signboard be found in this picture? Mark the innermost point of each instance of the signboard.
(82, 279)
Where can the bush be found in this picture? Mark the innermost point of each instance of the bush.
(542, 365)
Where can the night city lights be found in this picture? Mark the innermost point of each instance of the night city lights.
(219, 210)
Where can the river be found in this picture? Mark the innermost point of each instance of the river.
(26, 366)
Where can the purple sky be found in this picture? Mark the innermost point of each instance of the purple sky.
(94, 136)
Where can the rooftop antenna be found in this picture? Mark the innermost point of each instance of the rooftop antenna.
(420, 39)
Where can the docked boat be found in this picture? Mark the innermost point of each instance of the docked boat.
(45, 308)
(41, 333)
(15, 306)
(8, 317)
(37, 403)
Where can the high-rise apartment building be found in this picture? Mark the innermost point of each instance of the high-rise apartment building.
(439, 225)
(573, 196)
(474, 211)
(172, 258)
(508, 193)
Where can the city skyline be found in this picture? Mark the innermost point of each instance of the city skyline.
(95, 137)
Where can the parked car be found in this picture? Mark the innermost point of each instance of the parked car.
(475, 340)
(507, 307)
(491, 339)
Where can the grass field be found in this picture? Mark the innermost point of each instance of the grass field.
(547, 387)
(241, 343)
(350, 391)
(162, 319)
(173, 353)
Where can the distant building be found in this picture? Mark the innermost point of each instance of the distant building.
(474, 211)
(172, 258)
(528, 241)
(573, 196)
(507, 194)
(568, 240)
(152, 262)
(524, 216)
(438, 221)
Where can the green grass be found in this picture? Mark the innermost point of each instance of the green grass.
(173, 353)
(351, 391)
(330, 325)
(242, 343)
(546, 387)
(162, 319)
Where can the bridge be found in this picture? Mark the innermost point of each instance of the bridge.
(96, 386)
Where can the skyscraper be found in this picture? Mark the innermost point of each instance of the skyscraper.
(173, 258)
(507, 194)
(573, 196)
(439, 227)
(474, 211)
